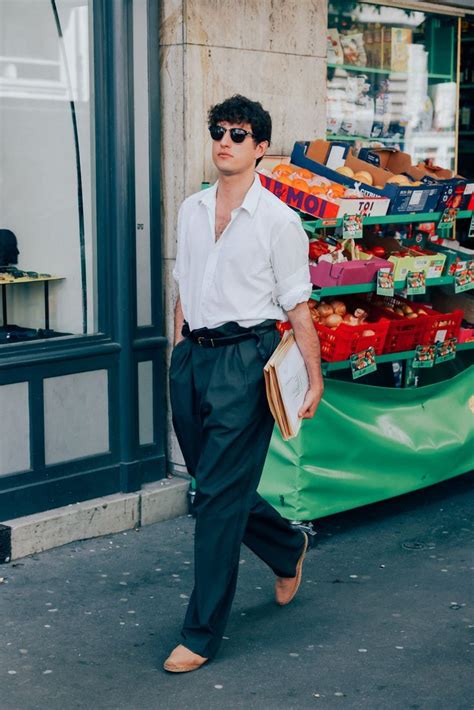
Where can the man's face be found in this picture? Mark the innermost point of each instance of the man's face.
(235, 158)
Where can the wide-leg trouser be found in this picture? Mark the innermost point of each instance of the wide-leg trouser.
(223, 425)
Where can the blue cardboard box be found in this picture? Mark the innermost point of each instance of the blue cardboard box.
(318, 155)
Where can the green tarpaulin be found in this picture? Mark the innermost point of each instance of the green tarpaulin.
(369, 443)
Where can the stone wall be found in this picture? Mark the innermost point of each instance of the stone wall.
(273, 51)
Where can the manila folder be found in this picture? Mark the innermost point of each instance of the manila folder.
(286, 381)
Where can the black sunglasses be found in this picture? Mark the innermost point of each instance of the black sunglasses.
(238, 135)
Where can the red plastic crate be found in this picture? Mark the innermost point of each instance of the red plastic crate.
(405, 333)
(466, 335)
(440, 326)
(345, 340)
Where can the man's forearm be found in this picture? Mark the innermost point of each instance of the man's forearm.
(308, 343)
(178, 322)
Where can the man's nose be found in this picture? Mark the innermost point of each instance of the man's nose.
(226, 140)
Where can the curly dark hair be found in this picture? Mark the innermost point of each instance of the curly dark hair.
(239, 109)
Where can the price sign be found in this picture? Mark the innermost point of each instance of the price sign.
(385, 284)
(352, 226)
(446, 222)
(363, 363)
(470, 233)
(425, 355)
(416, 282)
(446, 350)
(464, 276)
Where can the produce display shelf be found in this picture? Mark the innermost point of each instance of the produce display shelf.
(379, 70)
(392, 357)
(347, 138)
(371, 287)
(388, 219)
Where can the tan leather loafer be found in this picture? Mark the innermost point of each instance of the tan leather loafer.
(286, 587)
(182, 660)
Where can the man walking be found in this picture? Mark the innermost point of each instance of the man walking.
(242, 264)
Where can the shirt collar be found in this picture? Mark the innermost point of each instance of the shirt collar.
(208, 197)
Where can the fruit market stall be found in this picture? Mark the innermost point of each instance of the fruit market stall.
(393, 307)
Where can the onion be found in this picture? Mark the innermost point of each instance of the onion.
(366, 333)
(360, 314)
(339, 307)
(325, 310)
(399, 311)
(350, 319)
(411, 315)
(333, 320)
(407, 309)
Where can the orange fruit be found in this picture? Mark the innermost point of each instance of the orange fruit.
(300, 184)
(284, 179)
(283, 169)
(303, 173)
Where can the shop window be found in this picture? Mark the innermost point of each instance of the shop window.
(392, 79)
(47, 170)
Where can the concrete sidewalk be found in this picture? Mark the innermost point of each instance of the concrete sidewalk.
(384, 619)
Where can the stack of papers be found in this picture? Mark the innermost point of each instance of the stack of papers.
(286, 382)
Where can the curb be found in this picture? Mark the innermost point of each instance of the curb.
(31, 534)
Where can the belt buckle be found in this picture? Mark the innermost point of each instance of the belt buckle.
(201, 340)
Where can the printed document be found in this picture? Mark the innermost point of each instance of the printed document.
(287, 382)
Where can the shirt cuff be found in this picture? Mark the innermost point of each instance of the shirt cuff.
(296, 295)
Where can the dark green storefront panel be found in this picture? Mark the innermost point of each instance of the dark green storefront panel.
(369, 443)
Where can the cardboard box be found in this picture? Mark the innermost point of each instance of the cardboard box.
(404, 260)
(325, 274)
(463, 194)
(400, 40)
(318, 156)
(467, 199)
(453, 255)
(431, 262)
(317, 206)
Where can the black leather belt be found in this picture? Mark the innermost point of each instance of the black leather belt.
(214, 339)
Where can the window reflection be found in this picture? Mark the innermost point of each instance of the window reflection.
(392, 80)
(46, 175)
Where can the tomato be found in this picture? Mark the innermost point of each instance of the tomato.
(378, 251)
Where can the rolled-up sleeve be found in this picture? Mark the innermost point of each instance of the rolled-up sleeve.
(290, 267)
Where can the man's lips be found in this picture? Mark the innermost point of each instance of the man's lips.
(224, 155)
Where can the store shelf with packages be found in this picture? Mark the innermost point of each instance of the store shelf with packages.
(380, 359)
(371, 287)
(387, 72)
(313, 224)
(393, 81)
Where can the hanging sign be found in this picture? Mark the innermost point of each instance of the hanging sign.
(446, 350)
(385, 284)
(416, 282)
(425, 355)
(470, 233)
(464, 276)
(445, 224)
(363, 363)
(352, 226)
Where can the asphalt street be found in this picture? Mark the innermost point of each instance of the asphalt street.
(384, 618)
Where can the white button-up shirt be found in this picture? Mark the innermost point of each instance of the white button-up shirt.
(257, 270)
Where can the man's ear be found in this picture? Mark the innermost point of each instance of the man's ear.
(261, 149)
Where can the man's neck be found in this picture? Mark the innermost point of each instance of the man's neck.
(233, 188)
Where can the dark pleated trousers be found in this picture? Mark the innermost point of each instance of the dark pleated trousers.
(223, 425)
